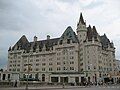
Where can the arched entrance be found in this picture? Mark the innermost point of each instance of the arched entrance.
(43, 77)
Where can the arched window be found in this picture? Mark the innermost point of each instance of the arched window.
(43, 77)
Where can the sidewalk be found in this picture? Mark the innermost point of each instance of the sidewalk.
(42, 87)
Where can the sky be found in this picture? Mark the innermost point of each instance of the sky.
(52, 17)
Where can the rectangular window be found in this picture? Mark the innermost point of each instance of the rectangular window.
(71, 57)
(50, 64)
(72, 62)
(64, 68)
(31, 60)
(58, 68)
(58, 63)
(43, 69)
(43, 59)
(18, 65)
(63, 62)
(50, 69)
(37, 64)
(37, 56)
(50, 59)
(37, 60)
(43, 64)
(58, 58)
(37, 69)
(18, 69)
(71, 68)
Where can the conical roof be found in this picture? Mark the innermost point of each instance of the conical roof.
(81, 20)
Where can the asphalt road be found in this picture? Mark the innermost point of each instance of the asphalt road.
(67, 88)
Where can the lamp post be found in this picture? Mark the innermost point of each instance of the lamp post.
(28, 70)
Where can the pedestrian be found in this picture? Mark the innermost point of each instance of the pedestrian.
(15, 83)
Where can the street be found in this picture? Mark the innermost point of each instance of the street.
(117, 87)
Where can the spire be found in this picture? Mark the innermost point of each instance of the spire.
(81, 20)
(9, 48)
(89, 27)
(94, 30)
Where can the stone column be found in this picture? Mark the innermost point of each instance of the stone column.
(79, 79)
(58, 79)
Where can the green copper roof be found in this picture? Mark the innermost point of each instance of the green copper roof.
(69, 34)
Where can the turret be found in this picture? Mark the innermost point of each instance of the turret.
(48, 37)
(35, 38)
(9, 48)
(81, 29)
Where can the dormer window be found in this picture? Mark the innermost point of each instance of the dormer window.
(68, 41)
(60, 42)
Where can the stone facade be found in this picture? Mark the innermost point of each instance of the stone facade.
(74, 56)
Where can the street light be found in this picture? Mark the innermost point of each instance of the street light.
(28, 70)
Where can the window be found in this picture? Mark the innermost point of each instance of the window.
(50, 63)
(68, 41)
(71, 68)
(43, 69)
(37, 69)
(88, 56)
(10, 66)
(88, 67)
(37, 64)
(58, 53)
(31, 56)
(64, 68)
(37, 56)
(10, 61)
(71, 57)
(82, 69)
(50, 69)
(37, 60)
(64, 62)
(71, 53)
(43, 64)
(60, 42)
(50, 59)
(81, 64)
(58, 58)
(72, 62)
(18, 65)
(18, 69)
(81, 59)
(19, 57)
(58, 68)
(58, 63)
(31, 60)
(43, 59)
(94, 67)
(36, 75)
(25, 60)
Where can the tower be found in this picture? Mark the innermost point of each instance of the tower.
(81, 29)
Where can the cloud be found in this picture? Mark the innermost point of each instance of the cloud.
(42, 17)
(93, 4)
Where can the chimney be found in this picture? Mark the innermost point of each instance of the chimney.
(35, 38)
(48, 37)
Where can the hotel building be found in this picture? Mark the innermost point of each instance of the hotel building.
(71, 58)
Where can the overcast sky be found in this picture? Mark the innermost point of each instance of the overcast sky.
(43, 17)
